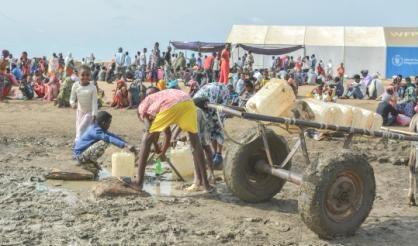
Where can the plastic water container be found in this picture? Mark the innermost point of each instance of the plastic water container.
(123, 164)
(335, 114)
(346, 115)
(358, 121)
(274, 99)
(377, 122)
(364, 119)
(318, 110)
(369, 118)
(182, 159)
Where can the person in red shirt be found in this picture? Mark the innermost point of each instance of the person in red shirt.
(341, 71)
(225, 56)
(208, 66)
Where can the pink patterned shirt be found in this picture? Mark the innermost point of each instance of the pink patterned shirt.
(161, 101)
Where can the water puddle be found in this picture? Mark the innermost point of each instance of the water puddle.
(163, 185)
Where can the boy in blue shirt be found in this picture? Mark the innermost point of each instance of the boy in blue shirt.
(94, 141)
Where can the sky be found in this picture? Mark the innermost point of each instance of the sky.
(101, 26)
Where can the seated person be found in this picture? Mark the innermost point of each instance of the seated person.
(248, 93)
(282, 73)
(26, 89)
(387, 110)
(328, 95)
(233, 98)
(291, 81)
(339, 87)
(194, 87)
(266, 78)
(63, 99)
(311, 77)
(161, 85)
(102, 74)
(38, 84)
(318, 91)
(120, 95)
(408, 100)
(17, 72)
(52, 89)
(356, 89)
(376, 88)
(94, 141)
(134, 94)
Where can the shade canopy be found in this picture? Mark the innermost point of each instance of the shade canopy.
(198, 46)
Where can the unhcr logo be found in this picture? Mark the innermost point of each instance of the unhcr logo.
(397, 60)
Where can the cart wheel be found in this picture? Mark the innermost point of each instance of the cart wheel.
(337, 195)
(239, 170)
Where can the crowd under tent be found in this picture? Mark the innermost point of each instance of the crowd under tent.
(387, 51)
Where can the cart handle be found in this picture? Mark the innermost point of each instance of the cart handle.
(312, 124)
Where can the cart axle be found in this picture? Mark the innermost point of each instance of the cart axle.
(263, 167)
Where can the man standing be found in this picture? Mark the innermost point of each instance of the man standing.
(128, 60)
(143, 61)
(250, 60)
(167, 64)
(208, 66)
(313, 62)
(120, 60)
(137, 61)
(155, 61)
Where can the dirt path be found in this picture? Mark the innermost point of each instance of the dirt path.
(35, 136)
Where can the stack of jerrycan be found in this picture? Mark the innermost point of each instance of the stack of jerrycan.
(276, 99)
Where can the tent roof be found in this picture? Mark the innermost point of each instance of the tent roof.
(247, 34)
(323, 36)
(365, 36)
(286, 35)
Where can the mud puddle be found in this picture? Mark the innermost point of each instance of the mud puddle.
(158, 186)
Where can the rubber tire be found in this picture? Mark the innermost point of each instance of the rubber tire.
(240, 158)
(312, 194)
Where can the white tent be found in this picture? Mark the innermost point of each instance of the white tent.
(357, 47)
(365, 48)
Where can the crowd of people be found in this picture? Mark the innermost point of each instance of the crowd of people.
(169, 88)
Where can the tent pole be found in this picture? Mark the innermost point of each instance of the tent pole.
(238, 54)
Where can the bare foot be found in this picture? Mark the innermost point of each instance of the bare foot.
(194, 188)
(212, 179)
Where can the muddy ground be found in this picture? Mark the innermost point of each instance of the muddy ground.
(35, 136)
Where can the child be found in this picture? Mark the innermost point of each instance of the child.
(204, 137)
(120, 95)
(84, 99)
(233, 98)
(248, 93)
(134, 94)
(94, 141)
(63, 99)
(26, 89)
